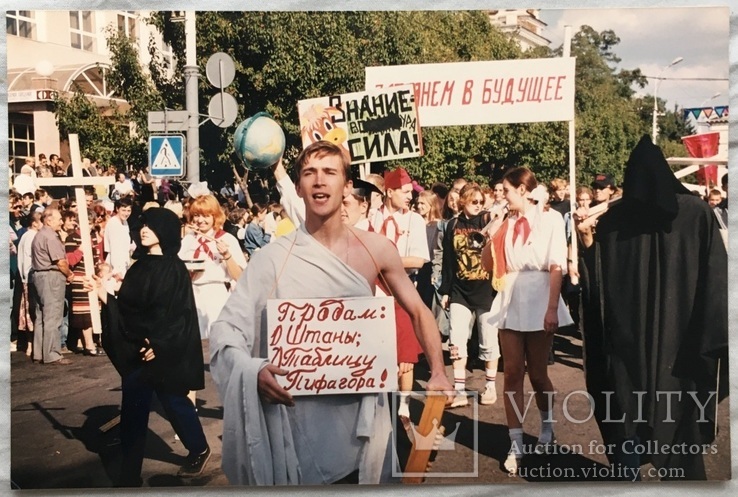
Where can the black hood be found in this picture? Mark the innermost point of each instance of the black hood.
(167, 227)
(650, 182)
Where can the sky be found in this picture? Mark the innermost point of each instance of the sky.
(651, 38)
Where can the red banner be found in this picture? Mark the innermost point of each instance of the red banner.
(700, 146)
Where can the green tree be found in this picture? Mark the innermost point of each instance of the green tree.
(607, 124)
(104, 137)
(284, 57)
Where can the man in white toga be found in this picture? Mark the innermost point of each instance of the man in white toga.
(269, 437)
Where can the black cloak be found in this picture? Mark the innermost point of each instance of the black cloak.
(156, 302)
(655, 315)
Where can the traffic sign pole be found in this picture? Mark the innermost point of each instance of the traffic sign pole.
(192, 74)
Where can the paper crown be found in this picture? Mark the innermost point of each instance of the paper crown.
(394, 180)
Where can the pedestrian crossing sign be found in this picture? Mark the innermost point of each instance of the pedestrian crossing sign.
(166, 155)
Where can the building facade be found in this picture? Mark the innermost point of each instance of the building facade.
(522, 25)
(57, 51)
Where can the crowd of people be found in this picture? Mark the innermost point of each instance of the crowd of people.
(178, 265)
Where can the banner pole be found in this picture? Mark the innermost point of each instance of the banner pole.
(572, 172)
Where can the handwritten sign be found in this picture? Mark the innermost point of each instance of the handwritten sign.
(485, 92)
(331, 346)
(372, 126)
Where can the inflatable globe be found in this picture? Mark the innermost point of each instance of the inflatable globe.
(259, 141)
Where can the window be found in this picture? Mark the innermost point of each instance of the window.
(21, 23)
(127, 23)
(81, 30)
(167, 55)
(21, 139)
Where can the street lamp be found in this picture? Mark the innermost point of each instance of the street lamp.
(655, 129)
(701, 123)
(716, 95)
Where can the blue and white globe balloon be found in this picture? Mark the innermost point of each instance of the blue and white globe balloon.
(259, 141)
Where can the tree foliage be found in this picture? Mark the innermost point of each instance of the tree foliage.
(104, 137)
(284, 57)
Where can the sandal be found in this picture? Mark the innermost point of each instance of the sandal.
(94, 352)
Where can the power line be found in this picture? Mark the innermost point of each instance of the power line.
(685, 79)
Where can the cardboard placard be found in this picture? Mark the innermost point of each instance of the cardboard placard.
(375, 125)
(332, 346)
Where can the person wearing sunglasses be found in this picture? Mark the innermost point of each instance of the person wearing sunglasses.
(16, 214)
(466, 291)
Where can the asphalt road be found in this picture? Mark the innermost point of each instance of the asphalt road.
(57, 413)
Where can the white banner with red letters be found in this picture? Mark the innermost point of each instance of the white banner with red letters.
(485, 92)
(332, 346)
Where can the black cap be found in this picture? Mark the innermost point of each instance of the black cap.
(603, 180)
(364, 188)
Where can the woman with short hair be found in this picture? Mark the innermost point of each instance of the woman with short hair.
(467, 292)
(214, 256)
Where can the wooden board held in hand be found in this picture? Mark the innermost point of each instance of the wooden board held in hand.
(417, 462)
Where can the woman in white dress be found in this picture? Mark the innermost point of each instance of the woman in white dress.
(527, 256)
(220, 260)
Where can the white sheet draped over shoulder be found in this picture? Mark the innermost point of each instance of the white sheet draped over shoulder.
(321, 439)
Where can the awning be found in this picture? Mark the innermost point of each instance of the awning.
(25, 85)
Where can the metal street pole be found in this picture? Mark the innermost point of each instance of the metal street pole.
(716, 95)
(192, 74)
(655, 124)
(701, 123)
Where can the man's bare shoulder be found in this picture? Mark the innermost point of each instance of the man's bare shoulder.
(378, 245)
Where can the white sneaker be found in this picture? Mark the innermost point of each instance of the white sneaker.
(403, 410)
(460, 400)
(489, 396)
(545, 448)
(512, 462)
(13, 346)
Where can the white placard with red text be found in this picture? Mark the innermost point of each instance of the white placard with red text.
(485, 92)
(332, 346)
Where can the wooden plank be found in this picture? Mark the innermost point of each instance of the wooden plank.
(84, 230)
(110, 424)
(417, 462)
(75, 181)
(79, 182)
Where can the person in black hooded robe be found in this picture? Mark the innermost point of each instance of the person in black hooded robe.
(152, 337)
(655, 320)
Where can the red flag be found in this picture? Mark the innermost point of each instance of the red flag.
(700, 146)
